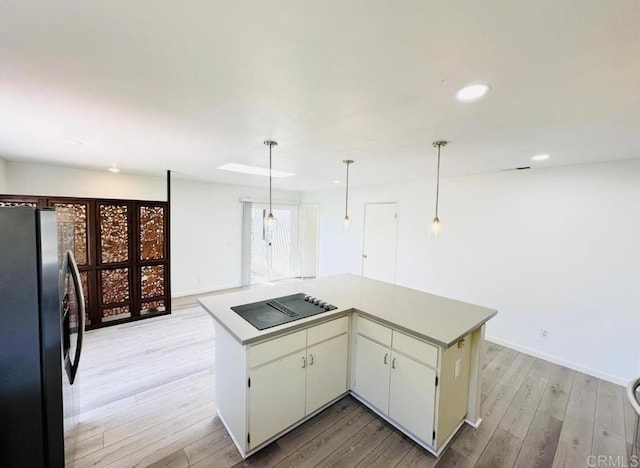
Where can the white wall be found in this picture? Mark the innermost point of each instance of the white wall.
(3, 178)
(41, 179)
(206, 218)
(554, 248)
(206, 234)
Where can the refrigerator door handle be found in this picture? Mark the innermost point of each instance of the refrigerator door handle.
(77, 285)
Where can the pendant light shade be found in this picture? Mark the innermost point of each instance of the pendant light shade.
(435, 228)
(270, 220)
(346, 221)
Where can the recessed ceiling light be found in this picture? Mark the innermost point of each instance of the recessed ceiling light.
(254, 170)
(472, 92)
(336, 181)
(541, 157)
(114, 169)
(71, 142)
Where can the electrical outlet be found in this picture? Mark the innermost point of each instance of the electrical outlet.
(456, 370)
(544, 333)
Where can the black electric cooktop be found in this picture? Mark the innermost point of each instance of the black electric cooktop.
(274, 312)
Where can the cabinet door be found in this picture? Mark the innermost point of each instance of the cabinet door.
(412, 396)
(327, 371)
(276, 396)
(372, 373)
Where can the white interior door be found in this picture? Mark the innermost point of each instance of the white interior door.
(379, 243)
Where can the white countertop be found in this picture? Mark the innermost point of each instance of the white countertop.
(437, 319)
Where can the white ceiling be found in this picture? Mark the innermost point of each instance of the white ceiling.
(152, 85)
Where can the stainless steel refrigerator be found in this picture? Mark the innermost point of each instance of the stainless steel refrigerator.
(41, 330)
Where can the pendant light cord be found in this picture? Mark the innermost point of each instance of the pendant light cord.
(346, 195)
(438, 181)
(270, 146)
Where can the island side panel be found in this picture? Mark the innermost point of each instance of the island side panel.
(231, 386)
(454, 391)
(475, 381)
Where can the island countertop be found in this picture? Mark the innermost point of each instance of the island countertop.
(437, 319)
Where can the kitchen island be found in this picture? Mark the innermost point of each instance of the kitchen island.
(414, 358)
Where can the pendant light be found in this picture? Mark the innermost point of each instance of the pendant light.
(435, 228)
(270, 220)
(346, 221)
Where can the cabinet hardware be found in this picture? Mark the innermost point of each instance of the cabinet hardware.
(304, 362)
(248, 438)
(364, 255)
(249, 382)
(311, 359)
(393, 363)
(386, 356)
(436, 380)
(434, 435)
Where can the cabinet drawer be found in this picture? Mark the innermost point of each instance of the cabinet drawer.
(372, 330)
(327, 330)
(419, 350)
(278, 347)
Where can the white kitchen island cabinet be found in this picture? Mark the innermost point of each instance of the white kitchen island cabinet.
(267, 387)
(326, 371)
(276, 396)
(372, 371)
(412, 357)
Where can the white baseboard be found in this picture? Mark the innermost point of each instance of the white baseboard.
(206, 290)
(559, 361)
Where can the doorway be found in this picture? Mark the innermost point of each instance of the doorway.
(380, 240)
(273, 252)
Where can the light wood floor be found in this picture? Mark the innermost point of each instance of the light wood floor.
(147, 399)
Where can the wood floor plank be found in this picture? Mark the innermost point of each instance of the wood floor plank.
(354, 450)
(267, 457)
(453, 458)
(81, 448)
(92, 426)
(136, 445)
(177, 459)
(320, 447)
(539, 446)
(208, 445)
(295, 439)
(389, 453)
(574, 444)
(151, 453)
(523, 408)
(472, 442)
(609, 436)
(159, 416)
(418, 458)
(496, 369)
(227, 457)
(491, 351)
(501, 451)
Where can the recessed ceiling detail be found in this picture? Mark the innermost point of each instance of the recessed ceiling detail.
(540, 157)
(472, 92)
